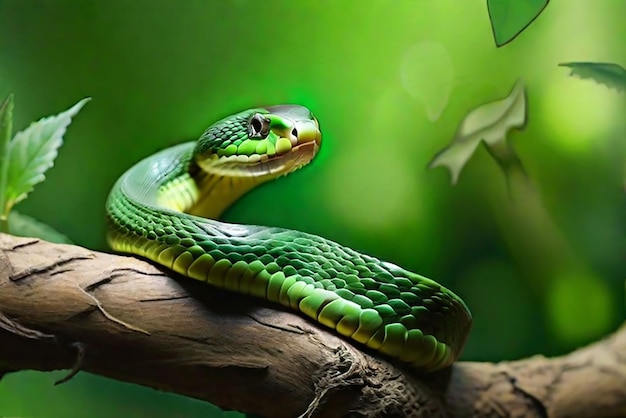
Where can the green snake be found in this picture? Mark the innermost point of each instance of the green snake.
(165, 207)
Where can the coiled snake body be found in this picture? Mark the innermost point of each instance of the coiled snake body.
(163, 208)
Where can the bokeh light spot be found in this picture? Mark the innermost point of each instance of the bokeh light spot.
(578, 112)
(580, 307)
(427, 74)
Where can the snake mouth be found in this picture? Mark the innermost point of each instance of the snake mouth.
(265, 165)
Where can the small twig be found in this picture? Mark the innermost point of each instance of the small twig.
(78, 363)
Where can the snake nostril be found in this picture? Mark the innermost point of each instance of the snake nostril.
(294, 132)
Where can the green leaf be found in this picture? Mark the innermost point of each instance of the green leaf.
(6, 121)
(25, 226)
(509, 18)
(609, 74)
(32, 153)
(490, 123)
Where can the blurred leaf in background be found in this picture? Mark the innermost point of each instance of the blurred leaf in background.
(27, 226)
(490, 123)
(510, 17)
(611, 75)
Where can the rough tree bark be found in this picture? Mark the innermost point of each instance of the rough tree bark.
(66, 307)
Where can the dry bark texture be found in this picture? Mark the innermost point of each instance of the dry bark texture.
(66, 307)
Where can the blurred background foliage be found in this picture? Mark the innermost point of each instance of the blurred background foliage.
(540, 265)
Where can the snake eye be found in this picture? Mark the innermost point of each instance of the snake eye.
(259, 126)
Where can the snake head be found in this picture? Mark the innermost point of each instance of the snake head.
(263, 143)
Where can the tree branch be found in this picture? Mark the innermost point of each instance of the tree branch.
(66, 307)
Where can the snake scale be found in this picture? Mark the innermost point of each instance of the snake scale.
(165, 208)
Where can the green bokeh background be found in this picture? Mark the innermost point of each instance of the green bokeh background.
(390, 80)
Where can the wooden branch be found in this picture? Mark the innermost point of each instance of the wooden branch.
(66, 307)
